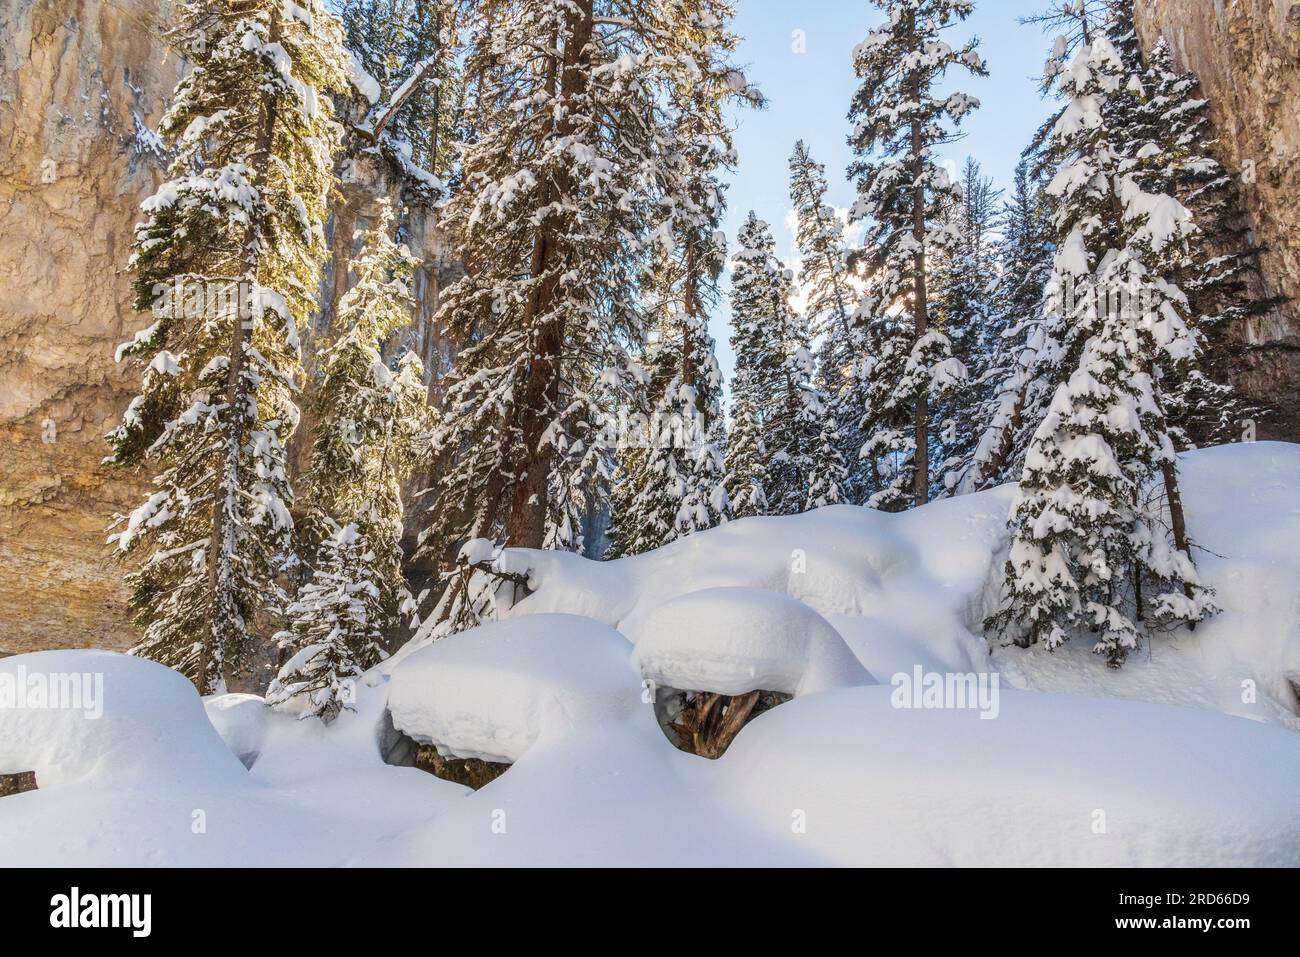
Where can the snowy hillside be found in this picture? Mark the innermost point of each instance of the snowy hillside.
(1189, 755)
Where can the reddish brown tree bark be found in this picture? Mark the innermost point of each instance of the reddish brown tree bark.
(526, 526)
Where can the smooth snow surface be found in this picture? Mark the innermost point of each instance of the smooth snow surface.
(734, 640)
(241, 721)
(1190, 755)
(492, 692)
(149, 726)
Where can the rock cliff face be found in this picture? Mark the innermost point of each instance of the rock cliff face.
(82, 82)
(78, 79)
(1247, 55)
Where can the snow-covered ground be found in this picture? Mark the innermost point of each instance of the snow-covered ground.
(1189, 755)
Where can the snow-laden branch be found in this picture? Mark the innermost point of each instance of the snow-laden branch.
(375, 123)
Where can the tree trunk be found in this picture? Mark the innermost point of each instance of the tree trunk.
(1173, 494)
(690, 306)
(1007, 445)
(526, 527)
(710, 722)
(1177, 519)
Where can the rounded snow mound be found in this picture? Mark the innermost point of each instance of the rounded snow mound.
(734, 640)
(77, 715)
(1173, 787)
(493, 691)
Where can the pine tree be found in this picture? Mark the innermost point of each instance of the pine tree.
(905, 197)
(228, 259)
(672, 479)
(964, 307)
(1073, 22)
(801, 461)
(572, 116)
(1035, 357)
(747, 455)
(687, 278)
(678, 485)
(1089, 547)
(1218, 269)
(773, 386)
(409, 48)
(1013, 339)
(1157, 131)
(824, 280)
(369, 418)
(829, 475)
(888, 423)
(630, 530)
(540, 167)
(705, 504)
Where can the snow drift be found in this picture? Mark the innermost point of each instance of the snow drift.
(492, 692)
(735, 640)
(1188, 756)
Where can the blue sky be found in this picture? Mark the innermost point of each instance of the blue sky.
(809, 97)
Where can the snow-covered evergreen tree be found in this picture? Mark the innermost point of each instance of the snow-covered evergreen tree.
(228, 260)
(1218, 269)
(547, 157)
(573, 125)
(824, 279)
(1158, 134)
(1072, 23)
(829, 475)
(747, 454)
(675, 484)
(773, 384)
(900, 119)
(409, 48)
(369, 418)
(888, 452)
(672, 482)
(1034, 359)
(1091, 547)
(964, 310)
(1025, 251)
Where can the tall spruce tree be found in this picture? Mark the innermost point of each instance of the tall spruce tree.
(370, 415)
(746, 453)
(228, 259)
(1218, 268)
(1099, 540)
(824, 279)
(674, 484)
(1158, 133)
(829, 477)
(900, 120)
(1013, 339)
(671, 479)
(409, 47)
(1028, 363)
(964, 310)
(572, 117)
(773, 389)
